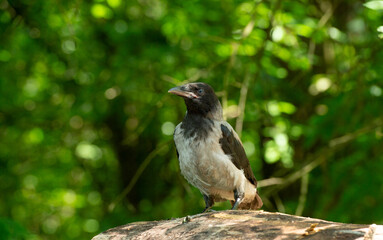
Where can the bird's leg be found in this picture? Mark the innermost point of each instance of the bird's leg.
(238, 197)
(209, 202)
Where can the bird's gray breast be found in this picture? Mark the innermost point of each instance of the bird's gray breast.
(202, 160)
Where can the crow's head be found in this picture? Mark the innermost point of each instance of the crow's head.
(199, 99)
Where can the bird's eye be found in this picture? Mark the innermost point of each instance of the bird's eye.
(200, 91)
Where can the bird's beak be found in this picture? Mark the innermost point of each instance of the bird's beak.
(182, 92)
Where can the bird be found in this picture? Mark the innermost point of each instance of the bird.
(210, 153)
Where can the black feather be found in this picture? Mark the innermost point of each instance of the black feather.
(232, 146)
(195, 125)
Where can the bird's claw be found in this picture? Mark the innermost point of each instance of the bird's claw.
(235, 206)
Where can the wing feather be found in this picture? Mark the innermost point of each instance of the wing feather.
(232, 146)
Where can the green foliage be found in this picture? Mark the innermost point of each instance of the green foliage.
(12, 230)
(86, 122)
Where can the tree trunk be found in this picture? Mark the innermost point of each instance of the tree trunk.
(243, 225)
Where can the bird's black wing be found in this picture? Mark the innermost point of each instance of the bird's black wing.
(178, 155)
(232, 146)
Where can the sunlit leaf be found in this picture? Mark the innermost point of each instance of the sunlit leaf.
(375, 5)
(114, 3)
(101, 11)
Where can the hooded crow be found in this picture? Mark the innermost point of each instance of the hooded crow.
(210, 153)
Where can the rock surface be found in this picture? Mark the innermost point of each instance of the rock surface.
(242, 225)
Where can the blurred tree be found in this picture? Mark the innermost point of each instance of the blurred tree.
(86, 122)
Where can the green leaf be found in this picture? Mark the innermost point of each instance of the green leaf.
(375, 5)
(101, 11)
(10, 229)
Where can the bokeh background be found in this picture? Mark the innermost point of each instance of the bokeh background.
(86, 122)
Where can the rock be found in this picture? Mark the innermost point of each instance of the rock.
(242, 225)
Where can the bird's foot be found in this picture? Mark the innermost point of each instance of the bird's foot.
(238, 199)
(209, 202)
(208, 210)
(237, 202)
